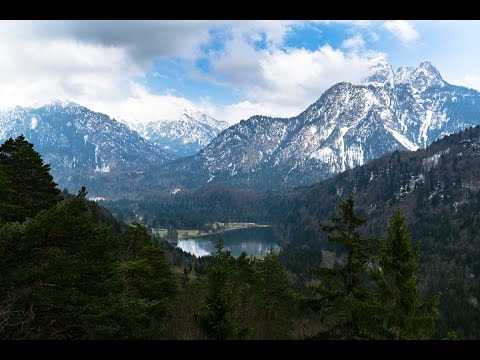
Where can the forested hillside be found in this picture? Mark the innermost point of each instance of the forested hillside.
(437, 189)
(71, 271)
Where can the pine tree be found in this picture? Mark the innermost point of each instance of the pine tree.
(274, 297)
(345, 299)
(59, 275)
(150, 285)
(32, 185)
(217, 316)
(402, 314)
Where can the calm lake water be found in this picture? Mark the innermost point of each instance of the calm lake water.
(254, 241)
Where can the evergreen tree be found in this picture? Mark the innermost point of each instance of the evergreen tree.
(345, 299)
(32, 185)
(59, 276)
(217, 315)
(274, 297)
(150, 285)
(402, 315)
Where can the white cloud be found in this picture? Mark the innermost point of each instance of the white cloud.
(469, 80)
(285, 82)
(403, 30)
(103, 66)
(354, 43)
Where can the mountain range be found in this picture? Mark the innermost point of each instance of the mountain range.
(346, 127)
(184, 136)
(83, 147)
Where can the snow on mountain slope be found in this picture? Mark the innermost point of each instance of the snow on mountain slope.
(81, 145)
(184, 136)
(346, 127)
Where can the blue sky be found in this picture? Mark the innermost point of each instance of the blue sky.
(139, 71)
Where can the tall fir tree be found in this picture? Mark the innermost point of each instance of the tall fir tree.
(345, 299)
(401, 313)
(217, 315)
(33, 188)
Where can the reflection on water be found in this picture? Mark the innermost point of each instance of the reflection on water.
(254, 241)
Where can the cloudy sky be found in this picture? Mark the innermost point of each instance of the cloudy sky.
(141, 71)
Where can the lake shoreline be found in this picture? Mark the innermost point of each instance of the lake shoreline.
(193, 237)
(254, 240)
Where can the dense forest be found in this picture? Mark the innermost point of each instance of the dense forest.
(436, 188)
(69, 270)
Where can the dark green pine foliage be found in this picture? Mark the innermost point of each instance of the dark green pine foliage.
(6, 192)
(150, 286)
(401, 313)
(58, 276)
(274, 298)
(345, 299)
(217, 317)
(33, 188)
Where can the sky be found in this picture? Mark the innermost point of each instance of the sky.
(141, 71)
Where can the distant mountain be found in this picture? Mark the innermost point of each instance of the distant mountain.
(346, 127)
(84, 147)
(184, 136)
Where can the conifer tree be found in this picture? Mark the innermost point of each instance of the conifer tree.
(345, 299)
(275, 297)
(402, 313)
(217, 316)
(33, 188)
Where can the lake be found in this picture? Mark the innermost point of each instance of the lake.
(254, 241)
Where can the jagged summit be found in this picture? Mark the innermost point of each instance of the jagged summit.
(381, 74)
(424, 76)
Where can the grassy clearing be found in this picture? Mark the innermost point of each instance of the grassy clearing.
(217, 229)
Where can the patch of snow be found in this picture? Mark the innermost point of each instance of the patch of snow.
(33, 122)
(410, 185)
(324, 154)
(424, 128)
(96, 198)
(402, 139)
(433, 160)
(104, 169)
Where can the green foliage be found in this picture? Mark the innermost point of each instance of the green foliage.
(32, 186)
(345, 299)
(370, 296)
(60, 278)
(247, 298)
(6, 193)
(274, 297)
(217, 314)
(401, 313)
(148, 280)
(59, 269)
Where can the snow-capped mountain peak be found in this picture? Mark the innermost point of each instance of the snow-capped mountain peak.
(346, 127)
(186, 135)
(83, 147)
(380, 74)
(420, 78)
